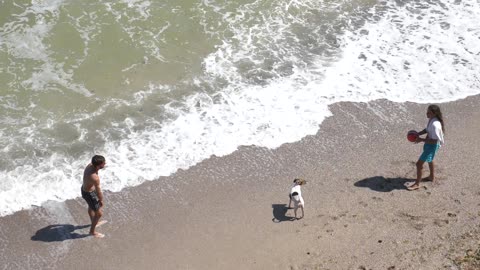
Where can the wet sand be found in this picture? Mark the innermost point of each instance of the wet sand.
(230, 212)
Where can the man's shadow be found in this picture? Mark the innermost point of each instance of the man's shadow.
(279, 213)
(59, 232)
(382, 184)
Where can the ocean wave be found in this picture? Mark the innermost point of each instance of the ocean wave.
(278, 67)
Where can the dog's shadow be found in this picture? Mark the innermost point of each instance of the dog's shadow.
(58, 233)
(382, 184)
(279, 213)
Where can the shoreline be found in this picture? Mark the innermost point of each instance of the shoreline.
(218, 214)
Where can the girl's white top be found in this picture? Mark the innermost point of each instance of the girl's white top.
(434, 130)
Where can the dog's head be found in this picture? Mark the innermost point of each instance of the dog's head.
(300, 181)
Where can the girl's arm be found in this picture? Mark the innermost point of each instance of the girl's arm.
(427, 140)
(422, 132)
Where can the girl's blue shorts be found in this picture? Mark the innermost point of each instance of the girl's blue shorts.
(429, 151)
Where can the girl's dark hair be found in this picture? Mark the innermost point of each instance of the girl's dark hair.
(98, 160)
(438, 114)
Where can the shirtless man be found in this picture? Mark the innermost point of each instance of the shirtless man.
(92, 193)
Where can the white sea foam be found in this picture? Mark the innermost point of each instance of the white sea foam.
(403, 58)
(399, 57)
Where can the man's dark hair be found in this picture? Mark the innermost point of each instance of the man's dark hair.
(97, 160)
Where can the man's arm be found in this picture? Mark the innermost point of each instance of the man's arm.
(98, 190)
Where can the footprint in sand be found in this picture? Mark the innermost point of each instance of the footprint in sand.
(362, 203)
(451, 215)
(419, 226)
(440, 222)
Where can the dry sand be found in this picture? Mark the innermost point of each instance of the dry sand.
(229, 212)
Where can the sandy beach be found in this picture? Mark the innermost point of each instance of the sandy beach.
(230, 212)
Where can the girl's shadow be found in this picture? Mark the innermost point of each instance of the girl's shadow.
(382, 184)
(279, 213)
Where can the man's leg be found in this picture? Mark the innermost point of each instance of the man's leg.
(432, 171)
(91, 214)
(98, 214)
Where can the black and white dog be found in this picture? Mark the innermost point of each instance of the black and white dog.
(296, 196)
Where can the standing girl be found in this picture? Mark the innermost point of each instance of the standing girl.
(432, 143)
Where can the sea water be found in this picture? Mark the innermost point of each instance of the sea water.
(156, 86)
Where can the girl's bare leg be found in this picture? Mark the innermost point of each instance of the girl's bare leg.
(431, 166)
(416, 185)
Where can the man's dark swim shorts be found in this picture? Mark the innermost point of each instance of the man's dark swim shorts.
(91, 198)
